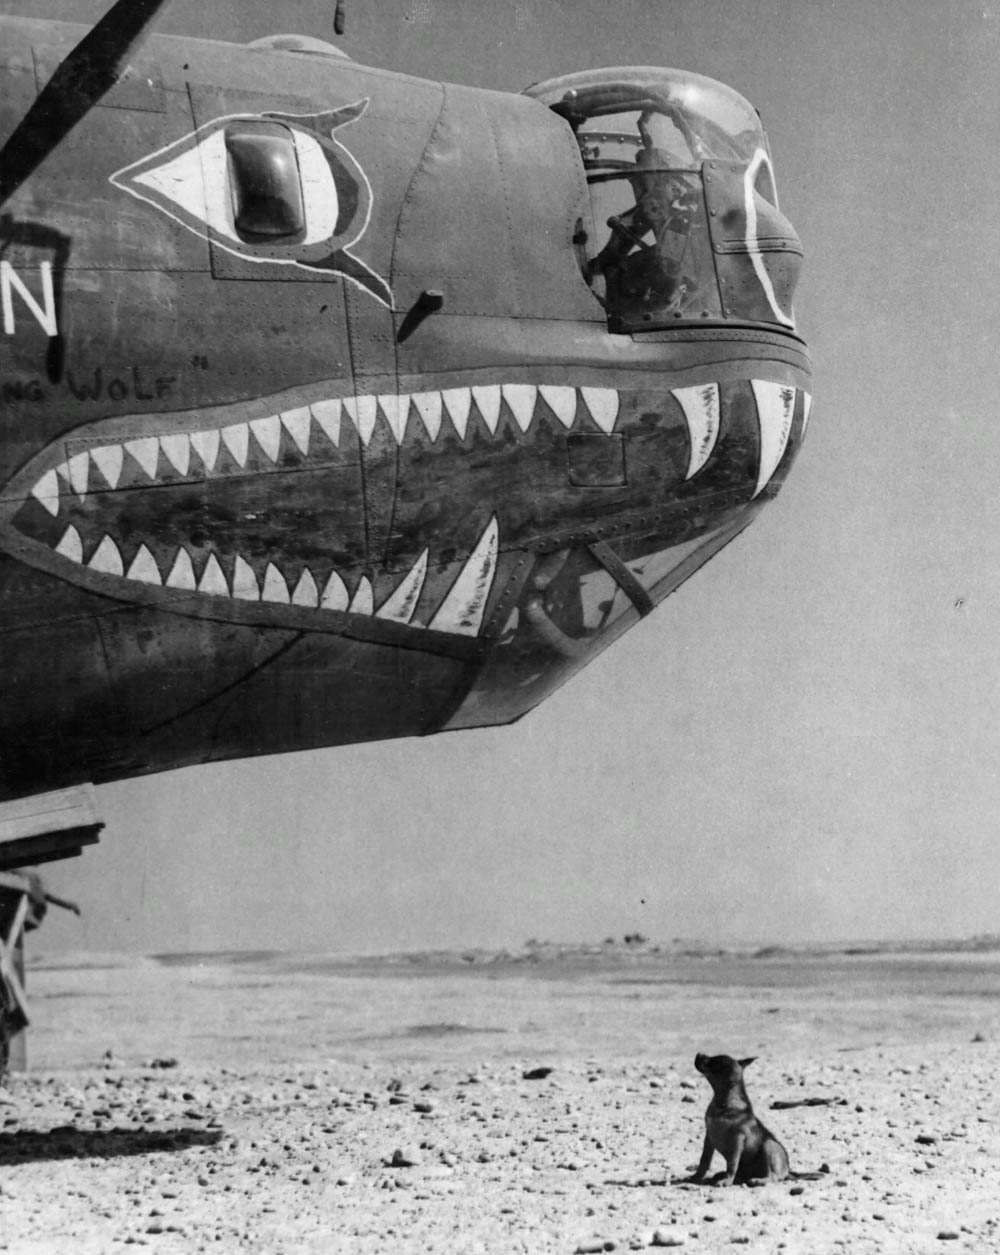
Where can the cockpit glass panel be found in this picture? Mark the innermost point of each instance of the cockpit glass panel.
(645, 136)
(713, 121)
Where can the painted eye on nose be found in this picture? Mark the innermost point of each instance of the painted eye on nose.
(273, 188)
(254, 182)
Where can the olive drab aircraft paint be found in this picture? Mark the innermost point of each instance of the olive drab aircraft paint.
(338, 405)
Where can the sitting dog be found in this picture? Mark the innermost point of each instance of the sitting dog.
(752, 1153)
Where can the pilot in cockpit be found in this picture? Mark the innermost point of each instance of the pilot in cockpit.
(641, 262)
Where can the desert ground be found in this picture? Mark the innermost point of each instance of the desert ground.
(544, 1102)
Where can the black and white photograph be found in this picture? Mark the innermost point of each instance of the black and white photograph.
(499, 627)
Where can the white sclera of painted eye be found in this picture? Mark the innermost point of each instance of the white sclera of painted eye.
(319, 191)
(198, 181)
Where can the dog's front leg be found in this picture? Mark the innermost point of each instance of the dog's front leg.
(733, 1157)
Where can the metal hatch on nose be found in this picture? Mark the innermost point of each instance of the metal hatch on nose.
(264, 180)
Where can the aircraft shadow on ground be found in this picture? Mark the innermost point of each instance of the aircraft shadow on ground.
(28, 1146)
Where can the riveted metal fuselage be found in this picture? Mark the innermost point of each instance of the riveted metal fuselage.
(241, 513)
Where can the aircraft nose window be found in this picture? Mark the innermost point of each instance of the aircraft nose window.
(678, 172)
(264, 180)
(651, 252)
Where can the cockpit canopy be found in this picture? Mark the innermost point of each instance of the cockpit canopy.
(684, 220)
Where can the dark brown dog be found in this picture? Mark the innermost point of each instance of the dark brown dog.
(752, 1153)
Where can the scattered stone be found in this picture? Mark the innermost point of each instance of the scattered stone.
(947, 1235)
(163, 1063)
(437, 1172)
(406, 1157)
(424, 1107)
(783, 1104)
(536, 1074)
(591, 1246)
(926, 1139)
(667, 1237)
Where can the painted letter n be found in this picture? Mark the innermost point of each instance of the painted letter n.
(11, 281)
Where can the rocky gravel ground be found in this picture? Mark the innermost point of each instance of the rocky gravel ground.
(455, 1141)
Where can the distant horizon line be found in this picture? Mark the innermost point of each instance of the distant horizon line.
(634, 944)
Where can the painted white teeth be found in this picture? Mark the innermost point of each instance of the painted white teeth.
(46, 491)
(488, 401)
(275, 588)
(561, 400)
(463, 608)
(775, 407)
(206, 445)
(245, 586)
(603, 406)
(182, 572)
(429, 408)
(78, 468)
(400, 605)
(71, 546)
(268, 435)
(327, 414)
(212, 579)
(306, 593)
(701, 411)
(521, 399)
(109, 461)
(458, 402)
(107, 558)
(146, 452)
(335, 594)
(236, 438)
(296, 423)
(363, 601)
(144, 568)
(362, 411)
(177, 451)
(395, 408)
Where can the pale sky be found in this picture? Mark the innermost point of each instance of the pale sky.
(803, 742)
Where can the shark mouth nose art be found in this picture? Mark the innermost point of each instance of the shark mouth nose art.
(182, 511)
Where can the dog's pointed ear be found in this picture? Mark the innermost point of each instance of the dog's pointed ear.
(745, 1063)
